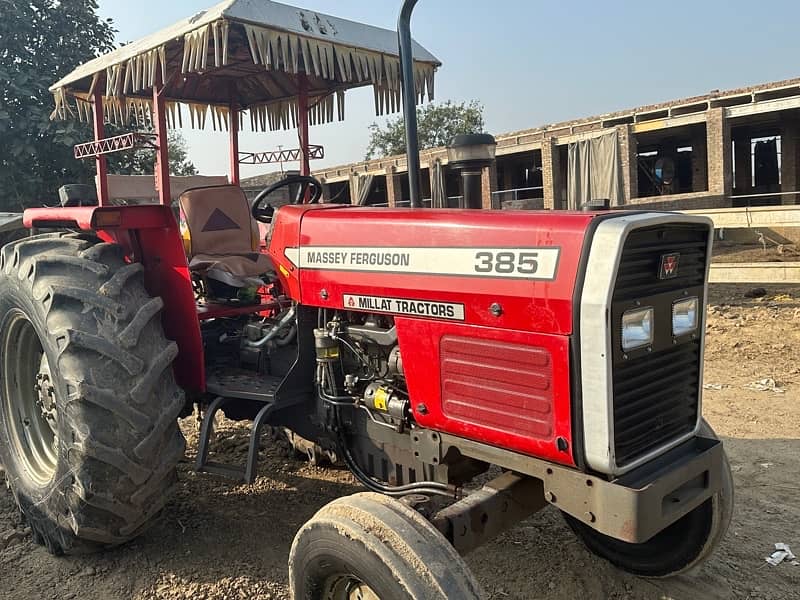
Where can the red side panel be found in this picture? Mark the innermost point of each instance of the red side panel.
(505, 388)
(503, 385)
(167, 275)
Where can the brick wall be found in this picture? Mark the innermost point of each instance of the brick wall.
(789, 154)
(679, 202)
(551, 170)
(628, 162)
(718, 147)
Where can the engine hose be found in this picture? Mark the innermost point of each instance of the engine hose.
(286, 320)
(420, 487)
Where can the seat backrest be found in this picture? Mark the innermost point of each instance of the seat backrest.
(219, 221)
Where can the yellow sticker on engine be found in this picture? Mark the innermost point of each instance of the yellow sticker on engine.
(381, 398)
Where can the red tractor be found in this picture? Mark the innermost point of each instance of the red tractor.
(559, 352)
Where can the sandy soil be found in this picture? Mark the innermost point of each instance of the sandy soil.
(737, 253)
(219, 540)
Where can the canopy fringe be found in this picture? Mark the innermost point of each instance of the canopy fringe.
(278, 50)
(137, 111)
(197, 43)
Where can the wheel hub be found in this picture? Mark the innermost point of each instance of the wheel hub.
(46, 398)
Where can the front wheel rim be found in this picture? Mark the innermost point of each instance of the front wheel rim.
(348, 587)
(28, 399)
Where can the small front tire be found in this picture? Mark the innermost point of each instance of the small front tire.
(372, 547)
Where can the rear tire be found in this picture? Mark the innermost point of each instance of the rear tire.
(88, 403)
(679, 548)
(372, 547)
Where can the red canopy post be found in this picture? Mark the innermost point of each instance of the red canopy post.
(302, 125)
(234, 143)
(100, 161)
(162, 153)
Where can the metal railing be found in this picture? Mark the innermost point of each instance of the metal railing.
(514, 193)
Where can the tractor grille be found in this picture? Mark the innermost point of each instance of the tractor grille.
(656, 391)
(655, 400)
(641, 256)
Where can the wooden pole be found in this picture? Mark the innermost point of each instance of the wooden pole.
(101, 164)
(234, 143)
(162, 153)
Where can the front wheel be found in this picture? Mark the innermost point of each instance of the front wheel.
(371, 547)
(677, 549)
(88, 405)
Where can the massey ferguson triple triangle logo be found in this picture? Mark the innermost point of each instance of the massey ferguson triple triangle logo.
(669, 266)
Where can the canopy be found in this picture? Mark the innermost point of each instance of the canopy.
(251, 54)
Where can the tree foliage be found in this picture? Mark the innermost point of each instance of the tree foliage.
(437, 125)
(40, 42)
(142, 162)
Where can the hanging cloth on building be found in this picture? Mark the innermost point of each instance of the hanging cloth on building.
(364, 187)
(438, 198)
(593, 171)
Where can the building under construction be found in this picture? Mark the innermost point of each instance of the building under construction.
(725, 148)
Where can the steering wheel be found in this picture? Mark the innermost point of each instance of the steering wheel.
(263, 211)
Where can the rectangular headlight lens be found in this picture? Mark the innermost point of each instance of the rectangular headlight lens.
(684, 316)
(637, 328)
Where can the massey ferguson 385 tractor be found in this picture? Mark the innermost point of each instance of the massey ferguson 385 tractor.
(556, 355)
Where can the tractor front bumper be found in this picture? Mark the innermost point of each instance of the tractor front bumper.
(635, 506)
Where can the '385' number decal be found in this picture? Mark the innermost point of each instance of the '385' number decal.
(507, 262)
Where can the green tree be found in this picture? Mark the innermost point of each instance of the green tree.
(40, 42)
(142, 162)
(437, 125)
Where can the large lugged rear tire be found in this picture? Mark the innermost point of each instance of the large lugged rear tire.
(88, 403)
(681, 547)
(372, 547)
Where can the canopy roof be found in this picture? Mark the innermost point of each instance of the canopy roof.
(251, 53)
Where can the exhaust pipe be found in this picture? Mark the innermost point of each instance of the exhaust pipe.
(409, 99)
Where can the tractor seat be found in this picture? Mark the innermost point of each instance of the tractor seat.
(223, 236)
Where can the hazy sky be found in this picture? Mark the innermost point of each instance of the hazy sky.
(532, 62)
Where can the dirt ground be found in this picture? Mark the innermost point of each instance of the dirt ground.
(220, 541)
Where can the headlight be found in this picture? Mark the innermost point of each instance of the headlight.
(637, 328)
(684, 316)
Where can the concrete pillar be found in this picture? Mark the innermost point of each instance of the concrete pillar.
(394, 187)
(488, 185)
(789, 166)
(629, 162)
(699, 163)
(353, 181)
(551, 174)
(718, 136)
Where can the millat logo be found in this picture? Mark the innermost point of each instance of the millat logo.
(669, 266)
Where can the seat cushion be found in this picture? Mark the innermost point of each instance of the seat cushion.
(219, 221)
(223, 236)
(250, 264)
